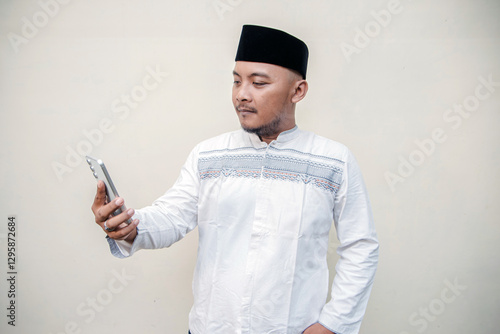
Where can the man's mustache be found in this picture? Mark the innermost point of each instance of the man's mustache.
(245, 108)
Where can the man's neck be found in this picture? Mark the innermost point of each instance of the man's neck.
(270, 138)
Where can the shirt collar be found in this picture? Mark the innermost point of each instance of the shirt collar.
(288, 135)
(283, 137)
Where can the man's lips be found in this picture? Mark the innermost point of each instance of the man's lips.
(243, 109)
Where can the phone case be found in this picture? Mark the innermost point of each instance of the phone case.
(101, 173)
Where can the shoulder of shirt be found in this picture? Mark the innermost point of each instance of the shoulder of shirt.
(325, 146)
(220, 141)
(325, 140)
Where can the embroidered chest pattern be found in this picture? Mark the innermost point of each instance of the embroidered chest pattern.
(277, 164)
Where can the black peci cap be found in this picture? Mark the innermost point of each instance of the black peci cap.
(272, 46)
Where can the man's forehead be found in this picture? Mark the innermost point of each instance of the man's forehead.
(248, 68)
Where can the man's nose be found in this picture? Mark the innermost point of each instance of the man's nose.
(243, 94)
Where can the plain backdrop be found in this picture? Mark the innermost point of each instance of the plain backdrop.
(404, 84)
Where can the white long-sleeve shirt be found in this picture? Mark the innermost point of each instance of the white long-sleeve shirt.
(264, 213)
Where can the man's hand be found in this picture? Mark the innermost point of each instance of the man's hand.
(317, 329)
(102, 212)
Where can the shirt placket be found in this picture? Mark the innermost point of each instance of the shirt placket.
(259, 228)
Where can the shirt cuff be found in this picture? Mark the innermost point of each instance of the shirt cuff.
(119, 248)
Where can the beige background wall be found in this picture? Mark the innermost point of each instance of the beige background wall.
(404, 84)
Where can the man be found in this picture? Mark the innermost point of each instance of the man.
(264, 199)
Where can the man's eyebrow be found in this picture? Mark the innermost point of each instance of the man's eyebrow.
(254, 74)
(259, 74)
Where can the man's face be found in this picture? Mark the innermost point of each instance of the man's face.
(262, 97)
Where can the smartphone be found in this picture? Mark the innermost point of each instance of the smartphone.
(101, 173)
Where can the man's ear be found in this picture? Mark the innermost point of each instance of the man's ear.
(301, 87)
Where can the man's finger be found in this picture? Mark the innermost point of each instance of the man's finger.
(100, 196)
(116, 221)
(124, 232)
(103, 212)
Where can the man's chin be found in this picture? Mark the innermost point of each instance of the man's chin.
(250, 129)
(262, 131)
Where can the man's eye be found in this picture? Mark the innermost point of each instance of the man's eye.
(236, 82)
(259, 83)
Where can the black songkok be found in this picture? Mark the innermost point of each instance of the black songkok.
(272, 46)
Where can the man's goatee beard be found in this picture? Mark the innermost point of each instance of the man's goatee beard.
(267, 130)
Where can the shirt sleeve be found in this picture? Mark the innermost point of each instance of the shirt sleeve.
(169, 218)
(358, 251)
